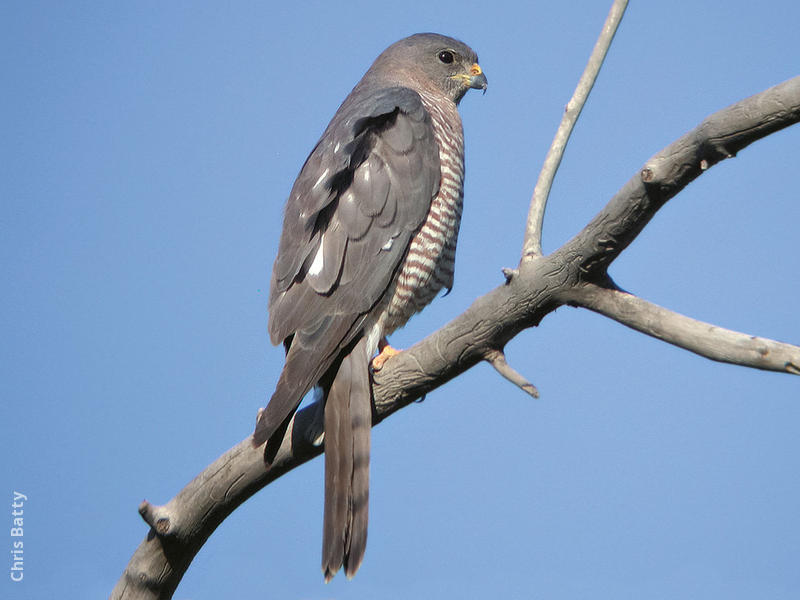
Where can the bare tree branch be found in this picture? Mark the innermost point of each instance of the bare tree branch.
(180, 527)
(710, 341)
(497, 359)
(720, 136)
(532, 244)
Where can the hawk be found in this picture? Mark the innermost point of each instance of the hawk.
(369, 239)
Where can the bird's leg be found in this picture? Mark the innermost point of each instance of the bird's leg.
(386, 352)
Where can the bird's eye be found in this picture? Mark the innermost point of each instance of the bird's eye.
(446, 57)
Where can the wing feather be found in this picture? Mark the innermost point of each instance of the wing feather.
(362, 193)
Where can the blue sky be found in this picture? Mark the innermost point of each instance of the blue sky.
(147, 152)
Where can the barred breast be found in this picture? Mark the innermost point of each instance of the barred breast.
(429, 264)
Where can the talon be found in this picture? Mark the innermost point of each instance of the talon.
(386, 353)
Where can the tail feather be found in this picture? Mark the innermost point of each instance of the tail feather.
(361, 421)
(348, 422)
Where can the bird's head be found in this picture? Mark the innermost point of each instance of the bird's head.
(434, 63)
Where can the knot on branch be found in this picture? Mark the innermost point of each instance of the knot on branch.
(157, 517)
(698, 153)
(657, 172)
(509, 274)
(138, 579)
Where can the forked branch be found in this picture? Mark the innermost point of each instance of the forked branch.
(532, 244)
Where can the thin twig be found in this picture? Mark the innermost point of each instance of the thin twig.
(532, 246)
(497, 359)
(705, 339)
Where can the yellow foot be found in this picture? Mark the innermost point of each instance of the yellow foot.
(386, 353)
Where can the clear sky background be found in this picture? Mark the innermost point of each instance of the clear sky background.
(147, 150)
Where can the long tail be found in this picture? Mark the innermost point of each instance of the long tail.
(348, 421)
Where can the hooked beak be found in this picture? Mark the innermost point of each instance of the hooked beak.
(477, 80)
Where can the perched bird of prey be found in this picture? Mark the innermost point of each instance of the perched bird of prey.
(369, 238)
